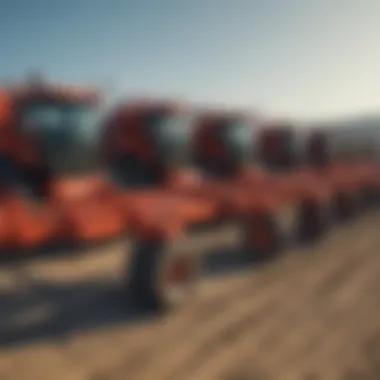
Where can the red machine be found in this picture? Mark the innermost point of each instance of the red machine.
(347, 167)
(293, 153)
(52, 188)
(151, 148)
(235, 147)
(50, 183)
(356, 151)
(339, 162)
(147, 148)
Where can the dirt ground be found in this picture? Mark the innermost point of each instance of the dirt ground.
(312, 314)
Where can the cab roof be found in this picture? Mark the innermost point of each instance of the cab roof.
(59, 92)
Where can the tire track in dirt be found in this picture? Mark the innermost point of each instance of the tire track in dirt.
(211, 308)
(335, 349)
(363, 285)
(334, 308)
(301, 356)
(139, 350)
(302, 368)
(206, 333)
(201, 327)
(168, 331)
(143, 340)
(298, 314)
(186, 331)
(295, 368)
(254, 336)
(139, 344)
(366, 361)
(149, 339)
(185, 319)
(350, 307)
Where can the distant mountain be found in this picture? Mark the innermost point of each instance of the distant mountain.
(370, 123)
(360, 128)
(362, 122)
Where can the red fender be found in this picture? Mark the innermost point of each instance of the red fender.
(33, 224)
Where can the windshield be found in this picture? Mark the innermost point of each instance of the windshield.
(66, 133)
(172, 135)
(288, 142)
(241, 133)
(175, 128)
(240, 138)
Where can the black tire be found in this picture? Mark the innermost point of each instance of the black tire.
(345, 206)
(253, 244)
(376, 195)
(370, 197)
(313, 221)
(150, 263)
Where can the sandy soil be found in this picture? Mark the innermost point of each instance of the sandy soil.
(312, 314)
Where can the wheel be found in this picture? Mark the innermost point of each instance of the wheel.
(262, 236)
(345, 206)
(370, 196)
(376, 195)
(313, 220)
(162, 277)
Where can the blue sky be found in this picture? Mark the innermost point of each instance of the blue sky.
(302, 58)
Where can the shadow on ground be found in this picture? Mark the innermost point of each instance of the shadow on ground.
(54, 311)
(54, 251)
(47, 310)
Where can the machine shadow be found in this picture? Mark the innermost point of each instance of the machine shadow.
(55, 251)
(55, 311)
(224, 262)
(48, 310)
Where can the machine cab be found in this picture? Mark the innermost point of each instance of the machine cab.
(144, 142)
(284, 147)
(319, 148)
(224, 143)
(54, 133)
(280, 147)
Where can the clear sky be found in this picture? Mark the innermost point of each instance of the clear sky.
(301, 58)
